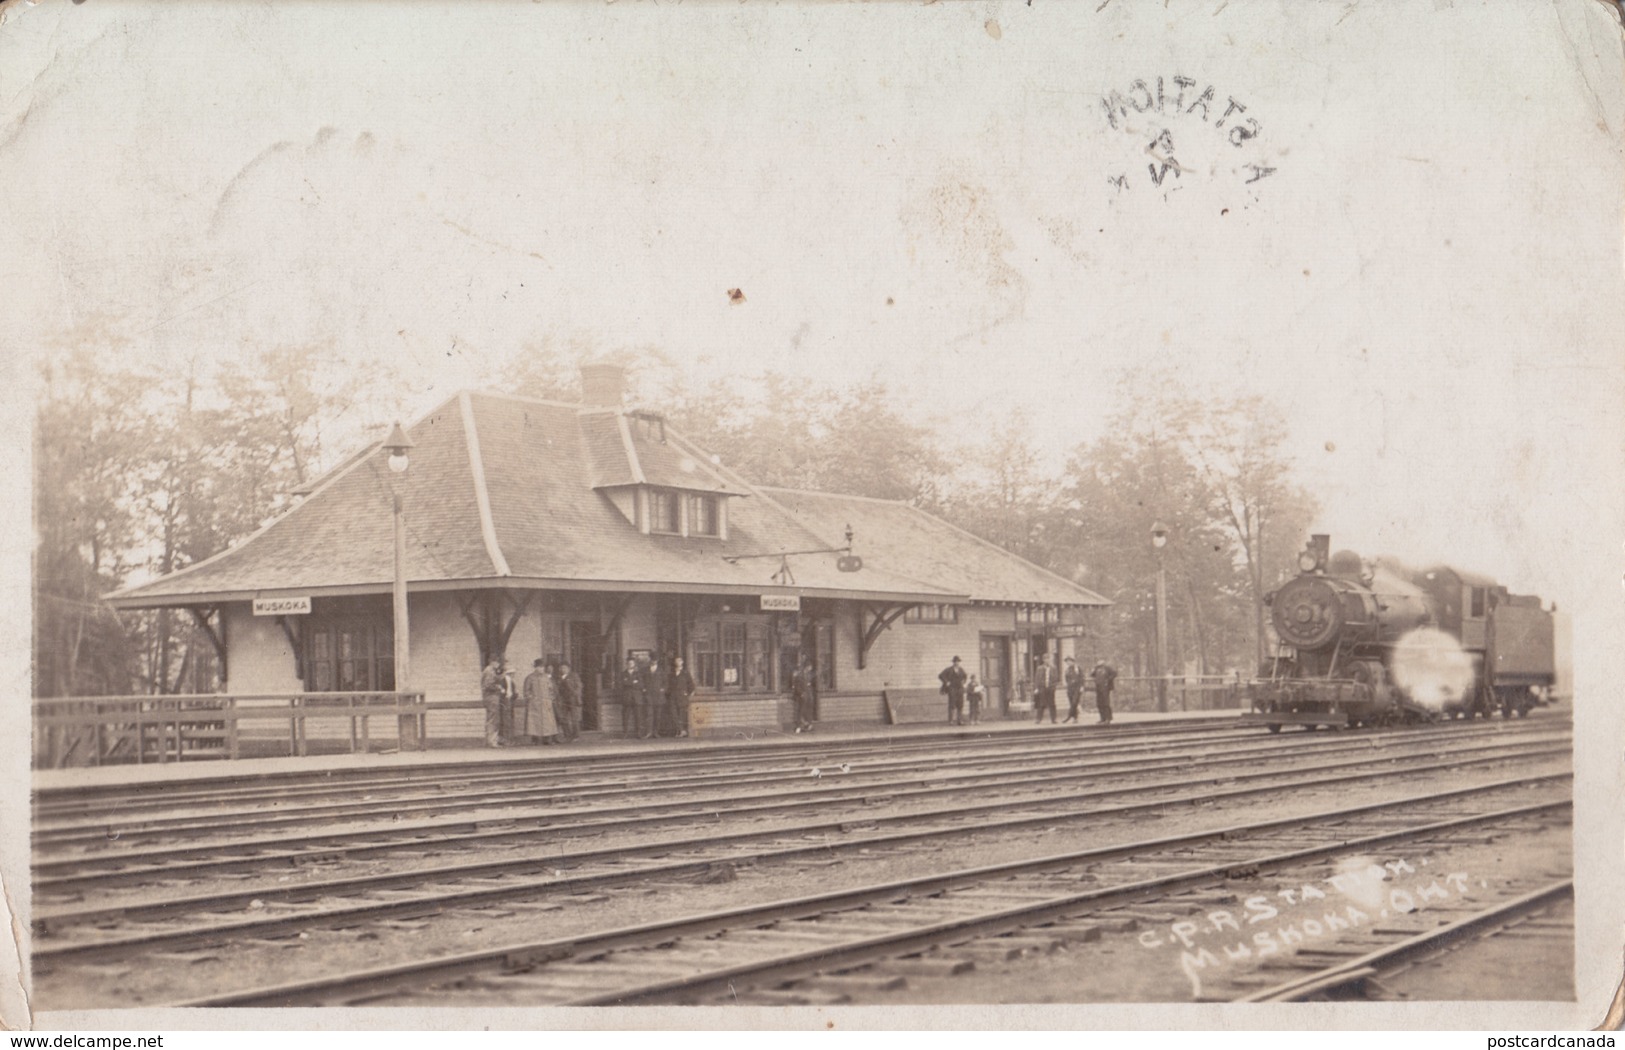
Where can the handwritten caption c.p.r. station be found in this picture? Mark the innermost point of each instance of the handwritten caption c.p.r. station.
(1354, 898)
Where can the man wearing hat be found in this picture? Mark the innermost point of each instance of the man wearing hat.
(1105, 676)
(1072, 677)
(1044, 688)
(953, 684)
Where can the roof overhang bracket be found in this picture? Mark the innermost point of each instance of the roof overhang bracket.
(296, 639)
(519, 606)
(485, 619)
(615, 619)
(884, 616)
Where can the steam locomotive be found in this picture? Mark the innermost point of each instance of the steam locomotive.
(1372, 643)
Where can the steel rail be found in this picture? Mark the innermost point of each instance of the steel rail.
(544, 782)
(283, 784)
(894, 788)
(388, 979)
(553, 786)
(409, 838)
(224, 783)
(350, 915)
(1370, 964)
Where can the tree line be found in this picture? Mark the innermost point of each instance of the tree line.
(140, 471)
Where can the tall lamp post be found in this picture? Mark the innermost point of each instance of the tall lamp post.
(398, 445)
(1159, 539)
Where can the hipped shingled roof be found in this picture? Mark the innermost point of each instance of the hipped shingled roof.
(506, 491)
(906, 539)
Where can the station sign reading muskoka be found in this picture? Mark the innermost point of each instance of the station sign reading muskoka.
(781, 603)
(282, 606)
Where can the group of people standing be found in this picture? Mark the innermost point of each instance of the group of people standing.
(546, 709)
(960, 686)
(649, 695)
(1103, 677)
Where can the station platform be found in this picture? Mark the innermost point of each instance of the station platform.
(596, 744)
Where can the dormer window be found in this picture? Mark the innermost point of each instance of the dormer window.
(702, 515)
(665, 511)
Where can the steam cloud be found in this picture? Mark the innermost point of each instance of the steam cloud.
(1432, 666)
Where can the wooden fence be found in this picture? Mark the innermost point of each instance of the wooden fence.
(1185, 693)
(104, 730)
(1211, 692)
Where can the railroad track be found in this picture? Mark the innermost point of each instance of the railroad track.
(860, 942)
(527, 764)
(1545, 913)
(835, 807)
(254, 898)
(561, 790)
(99, 932)
(65, 817)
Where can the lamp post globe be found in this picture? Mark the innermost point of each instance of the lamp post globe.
(398, 445)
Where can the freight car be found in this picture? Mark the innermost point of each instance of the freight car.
(1372, 643)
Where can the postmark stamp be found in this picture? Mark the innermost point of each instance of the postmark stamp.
(1174, 130)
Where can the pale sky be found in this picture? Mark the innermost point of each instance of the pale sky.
(1424, 273)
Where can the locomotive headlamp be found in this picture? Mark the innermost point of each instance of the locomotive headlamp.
(1159, 535)
(398, 445)
(1306, 561)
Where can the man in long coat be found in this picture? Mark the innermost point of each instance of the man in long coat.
(540, 723)
(953, 684)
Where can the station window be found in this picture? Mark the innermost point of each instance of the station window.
(732, 655)
(350, 657)
(704, 658)
(663, 508)
(932, 614)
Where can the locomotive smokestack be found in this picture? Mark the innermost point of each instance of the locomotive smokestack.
(1316, 554)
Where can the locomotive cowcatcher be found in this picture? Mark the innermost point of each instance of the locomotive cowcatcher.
(1371, 643)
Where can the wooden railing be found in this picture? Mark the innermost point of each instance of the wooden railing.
(103, 730)
(1139, 693)
(1185, 693)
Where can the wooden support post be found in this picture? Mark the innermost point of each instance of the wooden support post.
(202, 615)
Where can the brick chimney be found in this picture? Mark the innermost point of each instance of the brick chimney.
(603, 384)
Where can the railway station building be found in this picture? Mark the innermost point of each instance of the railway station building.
(592, 532)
